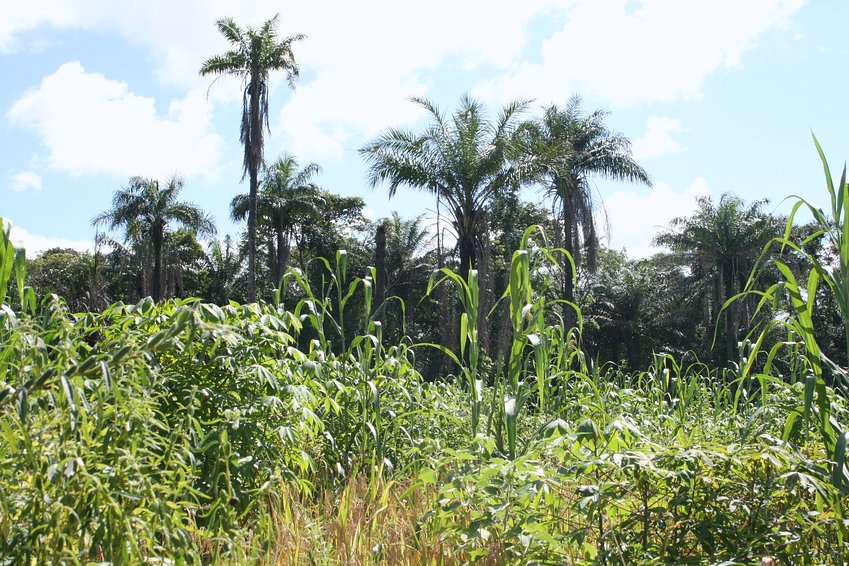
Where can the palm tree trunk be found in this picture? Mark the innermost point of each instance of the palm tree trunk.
(464, 223)
(505, 329)
(380, 266)
(252, 237)
(485, 286)
(285, 252)
(569, 318)
(157, 238)
(446, 311)
(730, 314)
(254, 160)
(467, 255)
(271, 257)
(282, 253)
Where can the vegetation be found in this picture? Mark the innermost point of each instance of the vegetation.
(287, 199)
(255, 53)
(464, 161)
(720, 244)
(573, 147)
(266, 433)
(145, 211)
(359, 395)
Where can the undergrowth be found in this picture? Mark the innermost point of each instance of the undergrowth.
(189, 433)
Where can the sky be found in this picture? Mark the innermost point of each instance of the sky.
(717, 96)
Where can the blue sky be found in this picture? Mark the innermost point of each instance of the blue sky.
(717, 96)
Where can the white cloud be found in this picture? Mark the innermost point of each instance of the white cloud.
(19, 17)
(34, 244)
(91, 124)
(361, 61)
(24, 181)
(368, 62)
(629, 52)
(636, 216)
(321, 124)
(658, 140)
(381, 36)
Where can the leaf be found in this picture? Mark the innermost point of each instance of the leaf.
(839, 460)
(427, 476)
(70, 398)
(587, 430)
(20, 273)
(7, 258)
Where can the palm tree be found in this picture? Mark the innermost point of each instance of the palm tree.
(255, 53)
(286, 197)
(223, 262)
(719, 244)
(145, 210)
(408, 261)
(463, 160)
(571, 147)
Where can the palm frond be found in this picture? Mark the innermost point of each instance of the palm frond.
(230, 30)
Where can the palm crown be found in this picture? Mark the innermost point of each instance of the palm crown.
(145, 209)
(287, 196)
(570, 148)
(463, 160)
(720, 244)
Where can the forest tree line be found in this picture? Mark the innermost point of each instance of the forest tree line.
(670, 302)
(475, 165)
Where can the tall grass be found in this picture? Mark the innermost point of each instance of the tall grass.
(799, 296)
(291, 432)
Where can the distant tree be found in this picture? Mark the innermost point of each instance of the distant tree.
(509, 217)
(223, 266)
(719, 244)
(409, 263)
(254, 54)
(184, 262)
(286, 198)
(571, 148)
(336, 221)
(633, 307)
(463, 160)
(66, 272)
(144, 211)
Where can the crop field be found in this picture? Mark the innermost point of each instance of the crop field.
(185, 432)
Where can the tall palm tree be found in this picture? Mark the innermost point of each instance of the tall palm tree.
(463, 160)
(145, 210)
(255, 53)
(572, 147)
(719, 244)
(287, 196)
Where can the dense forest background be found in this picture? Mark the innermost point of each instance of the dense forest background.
(671, 302)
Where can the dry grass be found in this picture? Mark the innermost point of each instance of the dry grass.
(367, 522)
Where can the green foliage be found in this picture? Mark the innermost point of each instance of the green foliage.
(800, 297)
(464, 160)
(8, 255)
(67, 273)
(145, 210)
(720, 244)
(157, 430)
(200, 433)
